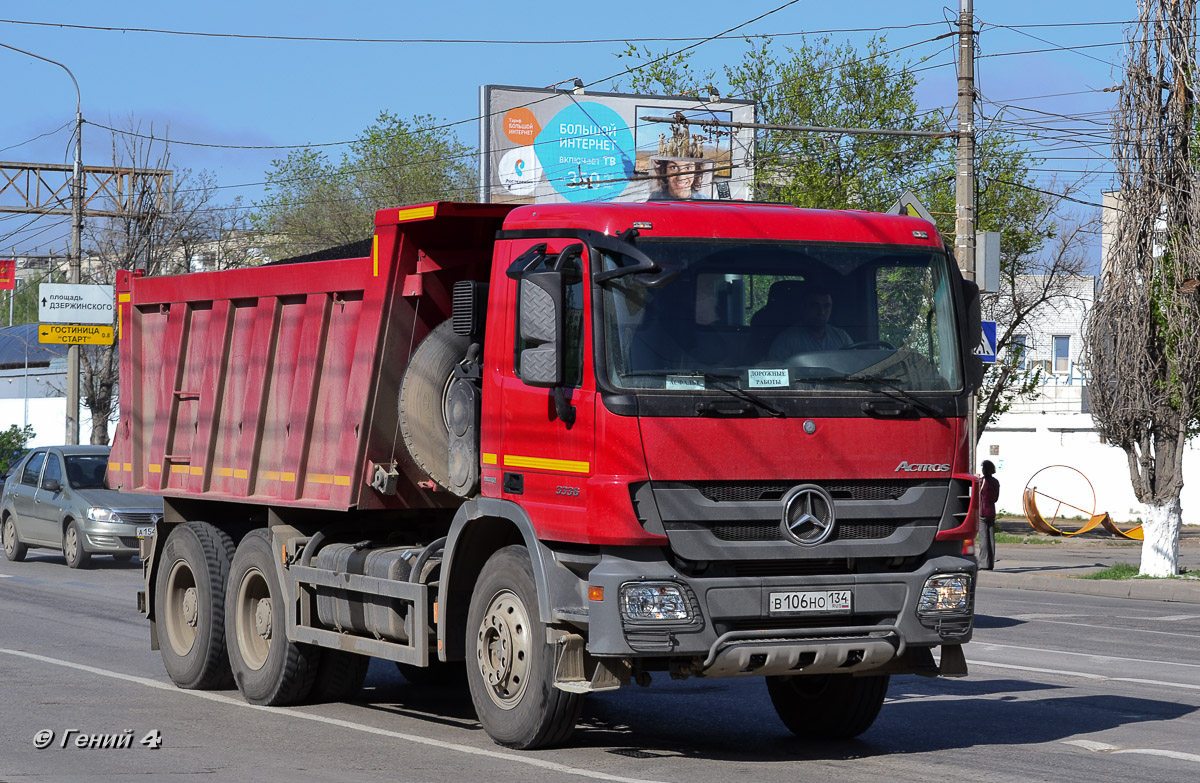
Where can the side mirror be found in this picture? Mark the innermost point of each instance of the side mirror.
(51, 485)
(541, 327)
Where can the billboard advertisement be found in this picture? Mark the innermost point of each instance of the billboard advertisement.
(562, 146)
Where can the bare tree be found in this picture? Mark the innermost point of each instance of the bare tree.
(1141, 343)
(171, 229)
(1031, 283)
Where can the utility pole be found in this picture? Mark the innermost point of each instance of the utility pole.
(76, 263)
(964, 178)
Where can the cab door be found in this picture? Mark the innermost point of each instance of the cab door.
(545, 461)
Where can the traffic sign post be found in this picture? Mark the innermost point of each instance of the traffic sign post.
(75, 334)
(60, 303)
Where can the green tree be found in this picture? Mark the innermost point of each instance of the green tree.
(314, 203)
(12, 445)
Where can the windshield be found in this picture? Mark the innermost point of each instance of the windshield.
(86, 471)
(782, 316)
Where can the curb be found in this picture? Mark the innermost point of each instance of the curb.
(1171, 590)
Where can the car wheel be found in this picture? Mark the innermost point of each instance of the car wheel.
(72, 546)
(14, 550)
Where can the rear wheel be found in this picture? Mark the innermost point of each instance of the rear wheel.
(268, 669)
(340, 675)
(14, 550)
(72, 546)
(510, 665)
(828, 706)
(189, 605)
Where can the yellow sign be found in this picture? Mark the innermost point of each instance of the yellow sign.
(75, 334)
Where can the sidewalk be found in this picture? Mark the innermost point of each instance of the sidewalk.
(1051, 563)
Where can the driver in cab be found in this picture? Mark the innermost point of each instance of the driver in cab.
(812, 332)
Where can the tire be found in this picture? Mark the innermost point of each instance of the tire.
(510, 666)
(269, 670)
(437, 673)
(14, 550)
(72, 547)
(829, 706)
(189, 605)
(339, 677)
(423, 418)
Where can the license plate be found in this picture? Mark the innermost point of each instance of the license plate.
(146, 531)
(796, 601)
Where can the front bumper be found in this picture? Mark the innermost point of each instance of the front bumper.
(732, 632)
(107, 538)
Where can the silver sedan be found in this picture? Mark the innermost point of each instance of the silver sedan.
(56, 498)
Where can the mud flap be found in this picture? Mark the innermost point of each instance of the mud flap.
(954, 662)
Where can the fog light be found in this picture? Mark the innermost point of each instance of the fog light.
(945, 594)
(654, 601)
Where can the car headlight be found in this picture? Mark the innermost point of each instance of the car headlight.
(654, 601)
(945, 594)
(103, 515)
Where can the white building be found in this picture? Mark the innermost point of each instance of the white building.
(1057, 429)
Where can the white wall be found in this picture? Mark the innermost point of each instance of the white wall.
(1027, 442)
(48, 415)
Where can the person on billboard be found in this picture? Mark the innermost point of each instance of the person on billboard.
(677, 179)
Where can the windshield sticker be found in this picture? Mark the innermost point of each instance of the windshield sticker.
(686, 382)
(768, 379)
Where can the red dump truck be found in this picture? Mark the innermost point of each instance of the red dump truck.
(569, 446)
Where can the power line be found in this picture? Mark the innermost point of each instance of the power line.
(471, 41)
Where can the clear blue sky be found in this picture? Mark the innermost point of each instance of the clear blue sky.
(236, 91)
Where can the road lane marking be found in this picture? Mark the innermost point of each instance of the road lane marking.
(1086, 675)
(294, 713)
(1104, 747)
(1098, 656)
(1138, 630)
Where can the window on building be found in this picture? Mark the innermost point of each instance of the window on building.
(1062, 353)
(1017, 347)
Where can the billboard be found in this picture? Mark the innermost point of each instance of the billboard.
(560, 146)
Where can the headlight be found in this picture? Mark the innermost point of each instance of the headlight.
(103, 515)
(654, 601)
(945, 594)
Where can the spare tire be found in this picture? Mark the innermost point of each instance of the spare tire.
(424, 396)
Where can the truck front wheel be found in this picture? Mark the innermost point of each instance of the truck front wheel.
(828, 706)
(510, 665)
(189, 605)
(268, 669)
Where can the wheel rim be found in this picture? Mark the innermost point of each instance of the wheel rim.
(504, 649)
(254, 619)
(182, 608)
(71, 545)
(10, 536)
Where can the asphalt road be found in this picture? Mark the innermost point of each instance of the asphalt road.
(1062, 687)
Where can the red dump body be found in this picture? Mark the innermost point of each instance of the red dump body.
(273, 383)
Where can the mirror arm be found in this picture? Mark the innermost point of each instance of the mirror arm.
(564, 410)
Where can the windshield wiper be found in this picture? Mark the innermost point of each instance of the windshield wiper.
(896, 391)
(733, 391)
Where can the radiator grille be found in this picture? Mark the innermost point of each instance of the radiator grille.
(751, 491)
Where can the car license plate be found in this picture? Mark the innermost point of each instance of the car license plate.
(146, 531)
(796, 601)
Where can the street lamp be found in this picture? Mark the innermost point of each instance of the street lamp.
(72, 435)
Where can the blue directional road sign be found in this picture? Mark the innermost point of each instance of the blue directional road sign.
(986, 350)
